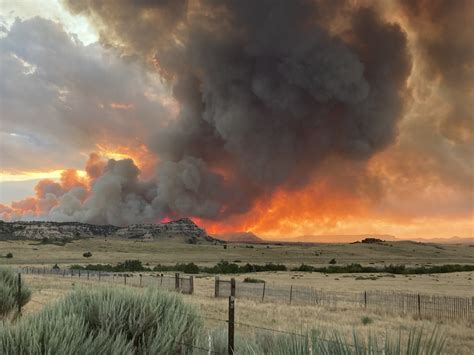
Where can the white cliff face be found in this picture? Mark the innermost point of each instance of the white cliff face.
(73, 230)
(52, 230)
(179, 227)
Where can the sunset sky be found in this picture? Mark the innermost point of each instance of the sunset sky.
(279, 118)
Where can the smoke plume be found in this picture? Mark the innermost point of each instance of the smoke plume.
(267, 92)
(277, 98)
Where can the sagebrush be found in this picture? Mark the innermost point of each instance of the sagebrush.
(106, 321)
(9, 296)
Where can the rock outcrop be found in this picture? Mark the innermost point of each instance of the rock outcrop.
(51, 231)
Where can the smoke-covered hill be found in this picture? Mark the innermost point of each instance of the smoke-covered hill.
(240, 237)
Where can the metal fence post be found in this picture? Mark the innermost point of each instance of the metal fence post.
(232, 287)
(365, 299)
(230, 331)
(19, 294)
(140, 280)
(291, 293)
(191, 284)
(263, 292)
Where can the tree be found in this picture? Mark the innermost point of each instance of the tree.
(87, 254)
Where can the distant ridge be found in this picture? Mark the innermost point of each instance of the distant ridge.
(240, 237)
(339, 238)
(50, 231)
(451, 240)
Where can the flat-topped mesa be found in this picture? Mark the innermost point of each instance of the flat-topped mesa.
(184, 226)
(36, 230)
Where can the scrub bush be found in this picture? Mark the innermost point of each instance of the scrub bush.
(9, 292)
(315, 342)
(106, 321)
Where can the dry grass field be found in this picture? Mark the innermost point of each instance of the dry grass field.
(173, 251)
(460, 334)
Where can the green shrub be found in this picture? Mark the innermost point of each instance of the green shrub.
(252, 280)
(87, 254)
(9, 292)
(390, 269)
(9, 256)
(106, 321)
(333, 261)
(366, 320)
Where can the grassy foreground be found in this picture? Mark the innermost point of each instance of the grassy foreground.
(126, 321)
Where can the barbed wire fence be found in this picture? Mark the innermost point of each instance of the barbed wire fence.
(224, 288)
(420, 305)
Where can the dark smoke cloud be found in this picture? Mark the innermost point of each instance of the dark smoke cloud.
(439, 130)
(267, 93)
(445, 37)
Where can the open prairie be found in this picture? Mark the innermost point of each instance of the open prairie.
(295, 318)
(171, 251)
(279, 315)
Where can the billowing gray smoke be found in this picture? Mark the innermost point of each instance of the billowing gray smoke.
(268, 90)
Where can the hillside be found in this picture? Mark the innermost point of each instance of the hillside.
(338, 238)
(240, 237)
(183, 229)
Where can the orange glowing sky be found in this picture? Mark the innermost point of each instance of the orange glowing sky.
(421, 185)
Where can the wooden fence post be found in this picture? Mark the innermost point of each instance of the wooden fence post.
(124, 279)
(291, 293)
(87, 274)
(365, 299)
(19, 294)
(230, 330)
(419, 305)
(216, 286)
(99, 276)
(263, 291)
(232, 287)
(191, 284)
(140, 280)
(176, 281)
(79, 273)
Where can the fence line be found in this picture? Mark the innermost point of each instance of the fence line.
(421, 305)
(176, 282)
(447, 307)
